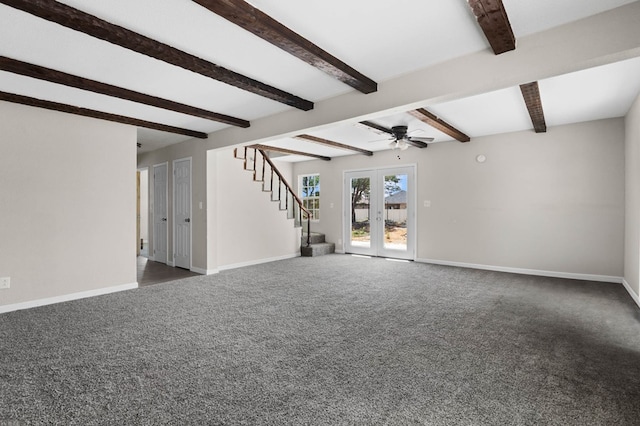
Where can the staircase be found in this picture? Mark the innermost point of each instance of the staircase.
(265, 172)
(317, 245)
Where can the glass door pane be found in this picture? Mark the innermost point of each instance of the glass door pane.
(360, 229)
(395, 212)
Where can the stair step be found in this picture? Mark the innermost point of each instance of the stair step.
(316, 238)
(317, 249)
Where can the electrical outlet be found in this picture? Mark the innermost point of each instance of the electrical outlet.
(5, 282)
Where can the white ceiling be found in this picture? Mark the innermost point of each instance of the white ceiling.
(381, 39)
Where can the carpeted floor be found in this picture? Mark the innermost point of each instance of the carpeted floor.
(333, 340)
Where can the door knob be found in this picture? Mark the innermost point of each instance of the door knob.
(187, 220)
(164, 219)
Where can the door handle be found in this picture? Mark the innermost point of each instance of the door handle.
(187, 220)
(164, 219)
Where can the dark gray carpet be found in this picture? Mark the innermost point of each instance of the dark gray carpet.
(330, 340)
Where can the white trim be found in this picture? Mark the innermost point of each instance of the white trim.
(542, 273)
(171, 263)
(204, 271)
(140, 170)
(66, 297)
(632, 293)
(258, 262)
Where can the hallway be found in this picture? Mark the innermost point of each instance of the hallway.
(150, 272)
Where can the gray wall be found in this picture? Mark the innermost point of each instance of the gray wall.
(67, 209)
(547, 202)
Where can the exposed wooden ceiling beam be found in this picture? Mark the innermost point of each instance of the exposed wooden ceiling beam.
(55, 106)
(80, 21)
(54, 76)
(531, 95)
(288, 151)
(437, 123)
(262, 25)
(334, 144)
(493, 19)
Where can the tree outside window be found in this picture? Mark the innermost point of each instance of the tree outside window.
(310, 194)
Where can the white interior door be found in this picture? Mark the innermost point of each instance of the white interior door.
(160, 207)
(380, 207)
(182, 213)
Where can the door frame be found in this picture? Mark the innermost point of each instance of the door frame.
(152, 197)
(137, 213)
(412, 194)
(146, 203)
(173, 212)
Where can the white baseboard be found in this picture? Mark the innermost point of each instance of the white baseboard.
(632, 293)
(66, 297)
(204, 271)
(257, 262)
(173, 264)
(542, 273)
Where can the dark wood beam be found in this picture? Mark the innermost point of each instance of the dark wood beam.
(71, 109)
(439, 124)
(262, 25)
(493, 19)
(531, 95)
(334, 144)
(80, 21)
(288, 151)
(58, 77)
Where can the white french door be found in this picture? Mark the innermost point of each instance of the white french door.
(160, 207)
(380, 207)
(182, 213)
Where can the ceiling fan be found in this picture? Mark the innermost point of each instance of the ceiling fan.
(400, 136)
(402, 140)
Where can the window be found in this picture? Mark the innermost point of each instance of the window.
(310, 194)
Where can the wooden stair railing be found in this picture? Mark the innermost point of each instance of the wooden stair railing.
(267, 173)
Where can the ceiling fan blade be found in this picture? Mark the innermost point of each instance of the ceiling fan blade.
(381, 140)
(419, 142)
(373, 127)
(419, 139)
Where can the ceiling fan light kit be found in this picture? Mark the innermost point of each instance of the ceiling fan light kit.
(399, 144)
